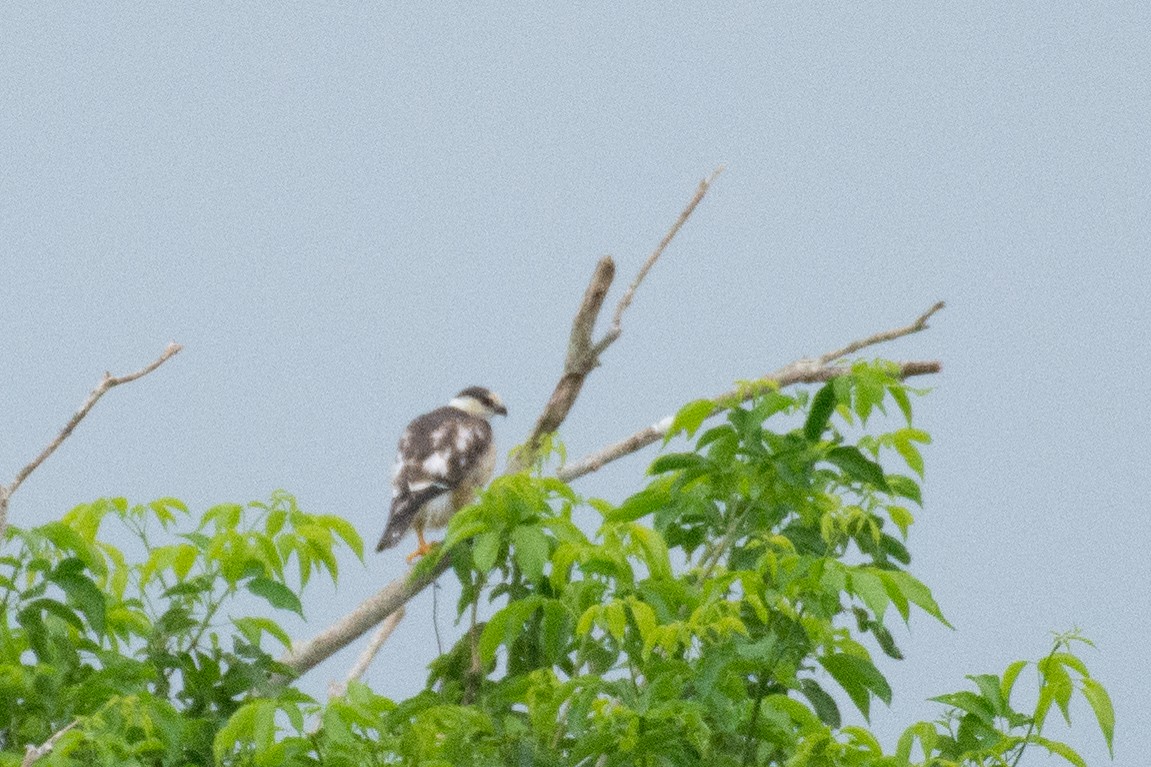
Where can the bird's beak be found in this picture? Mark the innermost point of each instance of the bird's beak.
(501, 410)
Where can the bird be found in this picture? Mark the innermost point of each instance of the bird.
(443, 459)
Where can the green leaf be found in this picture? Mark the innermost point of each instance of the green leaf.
(675, 462)
(859, 678)
(655, 553)
(967, 701)
(1104, 712)
(928, 737)
(824, 705)
(1059, 749)
(506, 625)
(614, 619)
(899, 394)
(886, 641)
(864, 738)
(1008, 683)
(241, 727)
(689, 418)
(67, 539)
(645, 502)
(345, 530)
(901, 517)
(462, 528)
(905, 487)
(904, 440)
(1057, 683)
(31, 613)
(253, 628)
(531, 550)
(869, 587)
(820, 414)
(485, 550)
(277, 594)
(82, 591)
(856, 466)
(908, 587)
(990, 689)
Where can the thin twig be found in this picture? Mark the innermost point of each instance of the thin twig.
(800, 371)
(33, 753)
(887, 335)
(583, 354)
(373, 647)
(616, 327)
(108, 382)
(308, 654)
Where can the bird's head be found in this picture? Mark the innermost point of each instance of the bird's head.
(479, 401)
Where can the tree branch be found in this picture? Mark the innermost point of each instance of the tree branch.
(583, 353)
(109, 381)
(616, 329)
(356, 672)
(33, 753)
(304, 656)
(887, 335)
(582, 357)
(800, 371)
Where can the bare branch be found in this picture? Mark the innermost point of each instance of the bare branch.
(304, 656)
(887, 335)
(34, 753)
(108, 382)
(582, 354)
(368, 655)
(801, 371)
(616, 328)
(579, 362)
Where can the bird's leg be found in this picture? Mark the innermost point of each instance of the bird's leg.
(424, 546)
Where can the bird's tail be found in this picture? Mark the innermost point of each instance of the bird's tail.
(391, 537)
(405, 507)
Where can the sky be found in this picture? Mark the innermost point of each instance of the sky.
(348, 212)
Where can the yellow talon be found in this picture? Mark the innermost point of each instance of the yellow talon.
(423, 548)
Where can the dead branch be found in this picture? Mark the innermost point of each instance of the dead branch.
(801, 371)
(357, 671)
(108, 382)
(616, 329)
(304, 656)
(583, 353)
(887, 335)
(34, 753)
(582, 358)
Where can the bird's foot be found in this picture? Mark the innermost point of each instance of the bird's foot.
(422, 550)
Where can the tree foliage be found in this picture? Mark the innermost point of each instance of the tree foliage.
(731, 612)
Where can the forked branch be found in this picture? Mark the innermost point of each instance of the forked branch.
(582, 357)
(306, 655)
(583, 352)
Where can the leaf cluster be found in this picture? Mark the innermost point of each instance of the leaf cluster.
(738, 610)
(153, 656)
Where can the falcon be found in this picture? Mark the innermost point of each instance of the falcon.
(444, 458)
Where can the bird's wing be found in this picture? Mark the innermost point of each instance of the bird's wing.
(437, 452)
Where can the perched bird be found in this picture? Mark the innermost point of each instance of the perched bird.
(444, 458)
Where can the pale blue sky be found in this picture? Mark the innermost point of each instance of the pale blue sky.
(347, 212)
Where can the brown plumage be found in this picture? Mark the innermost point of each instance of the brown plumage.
(444, 458)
